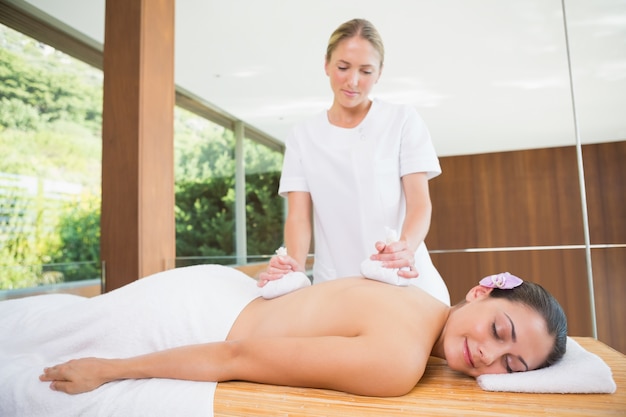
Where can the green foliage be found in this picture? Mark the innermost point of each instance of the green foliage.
(15, 114)
(63, 151)
(50, 128)
(50, 123)
(205, 223)
(204, 218)
(264, 213)
(27, 238)
(205, 192)
(33, 94)
(79, 235)
(48, 241)
(203, 150)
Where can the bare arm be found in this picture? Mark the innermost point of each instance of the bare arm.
(297, 239)
(415, 228)
(298, 230)
(418, 210)
(365, 365)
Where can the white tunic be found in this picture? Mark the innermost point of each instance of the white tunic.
(354, 178)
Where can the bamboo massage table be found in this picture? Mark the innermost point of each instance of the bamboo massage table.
(441, 392)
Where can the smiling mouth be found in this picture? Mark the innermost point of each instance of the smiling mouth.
(467, 355)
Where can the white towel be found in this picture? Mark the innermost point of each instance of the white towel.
(578, 372)
(290, 282)
(376, 271)
(190, 305)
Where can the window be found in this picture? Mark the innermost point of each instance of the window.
(206, 202)
(50, 136)
(205, 196)
(50, 130)
(264, 208)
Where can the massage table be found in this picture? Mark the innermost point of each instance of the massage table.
(39, 331)
(441, 392)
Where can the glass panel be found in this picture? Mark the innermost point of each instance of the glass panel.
(264, 208)
(205, 190)
(50, 136)
(79, 278)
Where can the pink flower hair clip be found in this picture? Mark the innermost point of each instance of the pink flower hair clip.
(504, 281)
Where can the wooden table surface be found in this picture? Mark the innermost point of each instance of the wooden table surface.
(441, 392)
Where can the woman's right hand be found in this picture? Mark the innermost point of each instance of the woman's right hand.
(78, 375)
(279, 265)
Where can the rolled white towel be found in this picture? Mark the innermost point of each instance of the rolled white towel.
(288, 283)
(376, 271)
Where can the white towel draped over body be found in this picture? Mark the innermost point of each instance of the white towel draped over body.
(189, 305)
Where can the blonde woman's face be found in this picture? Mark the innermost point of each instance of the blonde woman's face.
(353, 69)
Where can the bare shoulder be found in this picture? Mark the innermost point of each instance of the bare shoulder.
(348, 307)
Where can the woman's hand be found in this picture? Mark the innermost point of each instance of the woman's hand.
(396, 255)
(279, 265)
(78, 375)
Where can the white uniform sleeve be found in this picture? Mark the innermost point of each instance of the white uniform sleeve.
(292, 177)
(417, 153)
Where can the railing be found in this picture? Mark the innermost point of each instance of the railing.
(32, 202)
(52, 275)
(85, 288)
(80, 278)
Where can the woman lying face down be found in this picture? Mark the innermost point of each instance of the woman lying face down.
(354, 335)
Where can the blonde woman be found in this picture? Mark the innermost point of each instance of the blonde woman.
(355, 170)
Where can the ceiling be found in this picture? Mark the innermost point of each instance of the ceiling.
(486, 75)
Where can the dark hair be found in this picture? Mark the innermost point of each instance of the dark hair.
(536, 297)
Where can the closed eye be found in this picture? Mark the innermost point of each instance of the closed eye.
(505, 358)
(495, 331)
(506, 364)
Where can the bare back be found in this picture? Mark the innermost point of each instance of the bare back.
(394, 328)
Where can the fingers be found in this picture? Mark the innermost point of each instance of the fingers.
(284, 263)
(61, 386)
(410, 272)
(279, 265)
(57, 379)
(265, 277)
(75, 376)
(67, 387)
(52, 374)
(391, 251)
(270, 275)
(380, 246)
(396, 255)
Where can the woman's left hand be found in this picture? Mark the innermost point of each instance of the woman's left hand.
(396, 255)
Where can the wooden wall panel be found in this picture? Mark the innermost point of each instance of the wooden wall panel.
(507, 199)
(605, 183)
(609, 277)
(453, 196)
(561, 272)
(532, 198)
